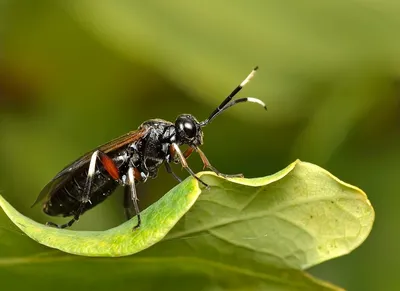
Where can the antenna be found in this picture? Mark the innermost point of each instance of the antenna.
(228, 100)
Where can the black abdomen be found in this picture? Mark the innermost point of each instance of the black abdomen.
(66, 199)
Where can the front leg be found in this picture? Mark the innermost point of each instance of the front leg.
(170, 171)
(173, 157)
(185, 164)
(208, 165)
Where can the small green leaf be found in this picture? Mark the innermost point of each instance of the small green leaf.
(157, 220)
(268, 229)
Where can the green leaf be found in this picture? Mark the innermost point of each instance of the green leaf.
(261, 232)
(157, 220)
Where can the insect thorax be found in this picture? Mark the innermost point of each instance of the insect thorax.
(153, 149)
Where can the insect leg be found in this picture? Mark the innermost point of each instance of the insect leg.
(132, 188)
(170, 171)
(108, 165)
(89, 179)
(185, 164)
(110, 168)
(208, 165)
(128, 205)
(68, 224)
(86, 193)
(188, 152)
(88, 187)
(71, 222)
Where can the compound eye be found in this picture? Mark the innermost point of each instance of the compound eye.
(186, 127)
(189, 129)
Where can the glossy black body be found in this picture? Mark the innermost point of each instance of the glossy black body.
(146, 153)
(128, 159)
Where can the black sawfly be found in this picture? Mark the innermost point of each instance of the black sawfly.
(129, 159)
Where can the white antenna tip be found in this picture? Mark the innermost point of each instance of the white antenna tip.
(258, 101)
(249, 77)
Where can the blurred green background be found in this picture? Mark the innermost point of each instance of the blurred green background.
(75, 74)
